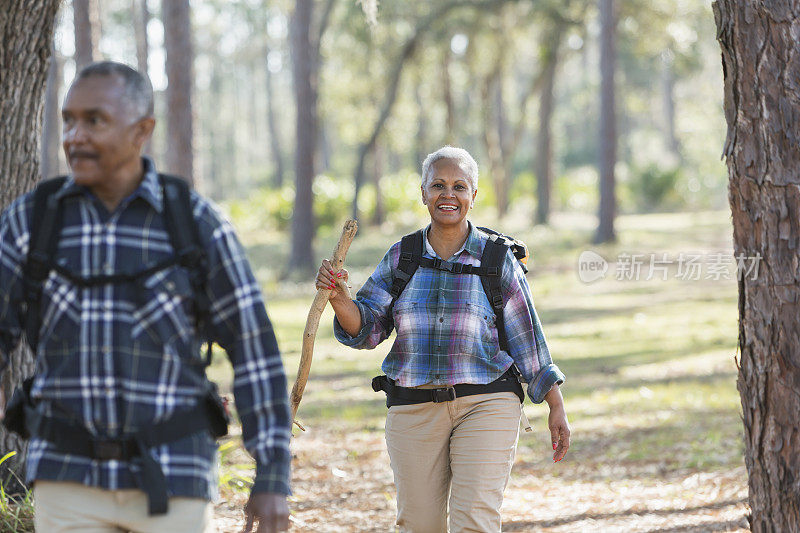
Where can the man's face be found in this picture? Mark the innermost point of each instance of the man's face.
(102, 136)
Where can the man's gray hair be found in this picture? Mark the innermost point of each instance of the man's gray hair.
(458, 156)
(138, 90)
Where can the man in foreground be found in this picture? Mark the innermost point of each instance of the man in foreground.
(116, 282)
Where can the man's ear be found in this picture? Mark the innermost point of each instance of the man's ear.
(144, 130)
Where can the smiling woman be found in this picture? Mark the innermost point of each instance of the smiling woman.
(453, 374)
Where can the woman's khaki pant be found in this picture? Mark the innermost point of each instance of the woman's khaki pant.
(461, 450)
(70, 507)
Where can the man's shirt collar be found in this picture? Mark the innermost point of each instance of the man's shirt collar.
(148, 190)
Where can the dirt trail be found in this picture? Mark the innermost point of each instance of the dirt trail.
(343, 483)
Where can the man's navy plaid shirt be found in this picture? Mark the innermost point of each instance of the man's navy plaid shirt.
(116, 358)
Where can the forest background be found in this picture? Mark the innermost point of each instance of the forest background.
(649, 353)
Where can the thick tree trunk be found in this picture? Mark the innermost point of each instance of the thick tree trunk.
(761, 64)
(608, 129)
(51, 129)
(175, 15)
(305, 87)
(86, 16)
(26, 31)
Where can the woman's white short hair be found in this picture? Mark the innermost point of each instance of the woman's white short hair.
(459, 157)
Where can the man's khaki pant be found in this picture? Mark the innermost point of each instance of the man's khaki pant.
(71, 507)
(463, 449)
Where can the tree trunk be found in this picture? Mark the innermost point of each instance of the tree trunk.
(175, 15)
(140, 15)
(544, 148)
(272, 124)
(447, 96)
(51, 129)
(761, 65)
(421, 143)
(87, 31)
(668, 84)
(379, 157)
(305, 88)
(26, 31)
(608, 133)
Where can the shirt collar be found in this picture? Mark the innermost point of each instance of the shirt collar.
(473, 244)
(149, 189)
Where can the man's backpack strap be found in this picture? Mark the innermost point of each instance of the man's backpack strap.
(45, 229)
(184, 234)
(410, 256)
(494, 252)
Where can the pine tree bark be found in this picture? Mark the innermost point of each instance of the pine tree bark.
(180, 74)
(26, 31)
(305, 89)
(608, 128)
(761, 65)
(86, 17)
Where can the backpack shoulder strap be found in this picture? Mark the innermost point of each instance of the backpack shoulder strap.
(410, 256)
(181, 225)
(494, 252)
(45, 230)
(184, 234)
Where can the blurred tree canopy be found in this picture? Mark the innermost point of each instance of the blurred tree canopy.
(514, 82)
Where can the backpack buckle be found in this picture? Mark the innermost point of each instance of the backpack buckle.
(107, 449)
(447, 394)
(406, 256)
(497, 301)
(457, 268)
(492, 271)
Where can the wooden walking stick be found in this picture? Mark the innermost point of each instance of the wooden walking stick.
(314, 314)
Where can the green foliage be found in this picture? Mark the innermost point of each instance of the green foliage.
(16, 513)
(656, 186)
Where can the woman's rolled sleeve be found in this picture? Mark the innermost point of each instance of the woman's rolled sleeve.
(543, 381)
(367, 325)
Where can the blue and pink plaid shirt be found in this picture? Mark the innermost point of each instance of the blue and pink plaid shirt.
(116, 358)
(446, 331)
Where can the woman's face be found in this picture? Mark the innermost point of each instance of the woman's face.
(448, 194)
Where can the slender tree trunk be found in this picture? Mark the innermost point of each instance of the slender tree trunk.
(380, 166)
(140, 15)
(421, 143)
(608, 130)
(305, 87)
(668, 84)
(87, 31)
(26, 31)
(447, 95)
(51, 128)
(175, 15)
(761, 61)
(544, 149)
(272, 123)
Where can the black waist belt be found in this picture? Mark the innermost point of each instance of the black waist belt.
(70, 438)
(397, 395)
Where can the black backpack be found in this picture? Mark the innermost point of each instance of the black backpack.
(490, 269)
(45, 231)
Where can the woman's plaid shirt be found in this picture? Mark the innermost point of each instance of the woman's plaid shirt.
(117, 358)
(446, 331)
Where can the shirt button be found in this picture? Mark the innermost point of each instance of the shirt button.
(441, 319)
(437, 376)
